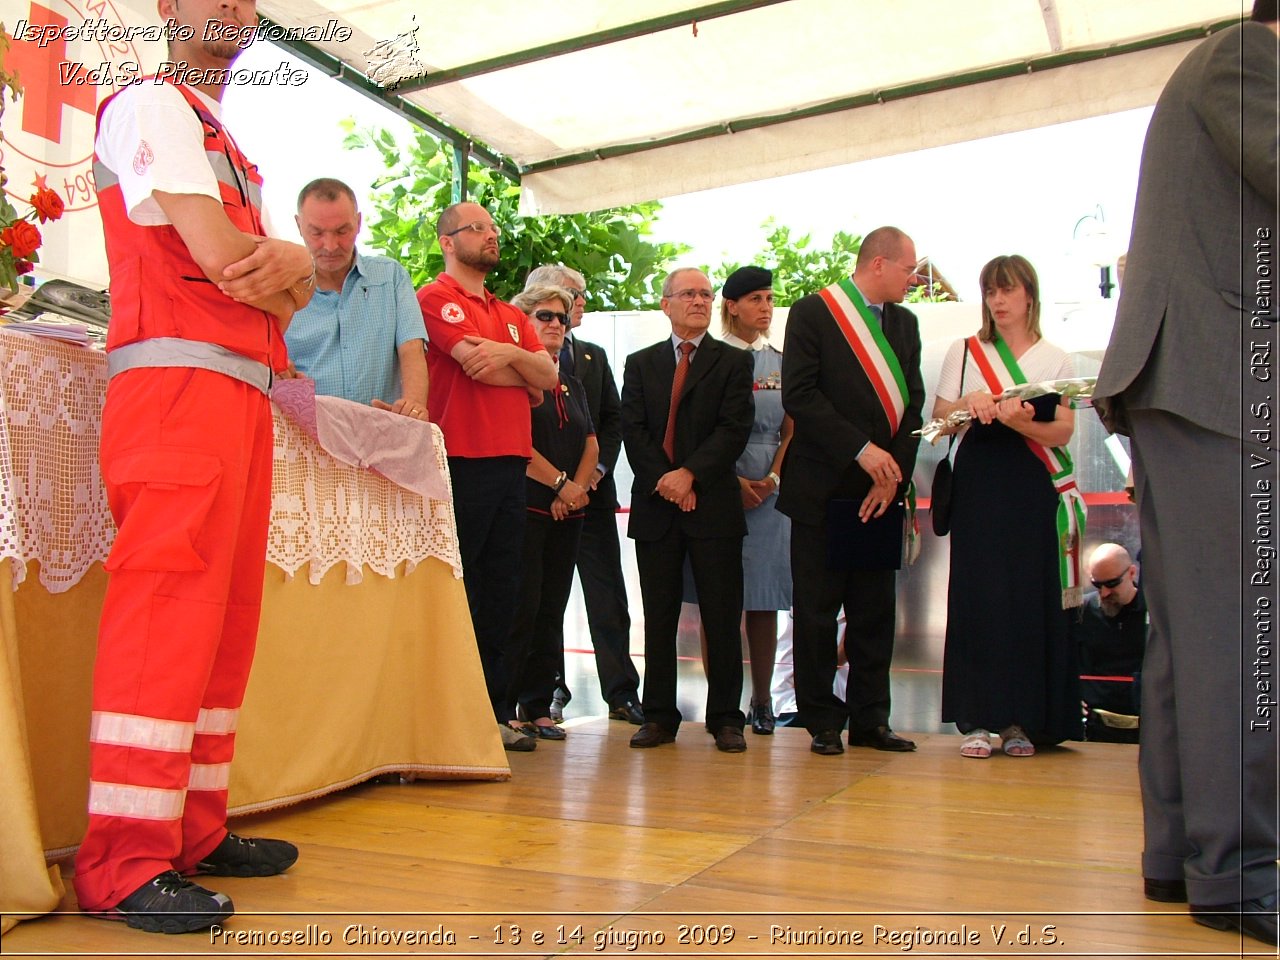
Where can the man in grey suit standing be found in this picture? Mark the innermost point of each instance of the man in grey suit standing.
(1189, 375)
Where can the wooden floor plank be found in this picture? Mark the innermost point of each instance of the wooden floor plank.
(589, 832)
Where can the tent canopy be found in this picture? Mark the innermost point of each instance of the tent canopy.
(597, 102)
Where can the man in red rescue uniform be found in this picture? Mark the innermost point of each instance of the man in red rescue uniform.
(198, 304)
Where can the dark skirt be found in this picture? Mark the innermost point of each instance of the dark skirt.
(1008, 659)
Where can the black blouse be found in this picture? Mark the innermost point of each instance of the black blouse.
(561, 425)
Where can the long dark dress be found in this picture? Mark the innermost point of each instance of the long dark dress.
(1009, 657)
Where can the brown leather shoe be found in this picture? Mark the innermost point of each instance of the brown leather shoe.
(730, 740)
(651, 735)
(881, 738)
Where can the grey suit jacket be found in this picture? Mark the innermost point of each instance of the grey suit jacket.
(1206, 196)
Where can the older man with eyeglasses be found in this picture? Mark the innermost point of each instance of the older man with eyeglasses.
(486, 367)
(687, 412)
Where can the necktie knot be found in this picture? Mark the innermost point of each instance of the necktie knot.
(686, 347)
(878, 313)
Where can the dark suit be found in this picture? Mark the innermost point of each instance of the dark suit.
(1190, 370)
(713, 422)
(836, 413)
(604, 589)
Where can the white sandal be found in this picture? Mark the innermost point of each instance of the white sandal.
(977, 744)
(1014, 742)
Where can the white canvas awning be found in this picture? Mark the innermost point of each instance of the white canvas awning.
(601, 102)
(593, 103)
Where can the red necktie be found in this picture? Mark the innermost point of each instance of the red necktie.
(677, 387)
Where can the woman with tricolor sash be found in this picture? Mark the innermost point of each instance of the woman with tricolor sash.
(1017, 523)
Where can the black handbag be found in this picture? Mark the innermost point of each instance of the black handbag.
(940, 492)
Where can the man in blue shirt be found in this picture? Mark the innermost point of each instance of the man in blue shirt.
(362, 336)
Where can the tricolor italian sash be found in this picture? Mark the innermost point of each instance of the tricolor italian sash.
(1001, 371)
(866, 339)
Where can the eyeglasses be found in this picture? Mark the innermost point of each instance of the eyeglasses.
(1109, 584)
(688, 296)
(546, 316)
(478, 226)
(575, 292)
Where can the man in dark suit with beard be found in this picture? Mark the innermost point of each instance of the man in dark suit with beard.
(851, 381)
(687, 412)
(1190, 375)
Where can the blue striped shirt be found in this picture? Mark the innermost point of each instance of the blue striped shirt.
(346, 341)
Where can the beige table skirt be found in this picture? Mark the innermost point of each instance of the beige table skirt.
(349, 681)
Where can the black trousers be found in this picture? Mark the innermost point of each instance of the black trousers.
(717, 573)
(869, 601)
(488, 501)
(536, 651)
(604, 592)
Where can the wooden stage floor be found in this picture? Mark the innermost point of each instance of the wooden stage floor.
(924, 854)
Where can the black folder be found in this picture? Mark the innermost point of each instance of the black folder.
(874, 545)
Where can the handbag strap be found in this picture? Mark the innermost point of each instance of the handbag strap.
(964, 362)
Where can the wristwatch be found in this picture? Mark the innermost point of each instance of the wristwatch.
(777, 482)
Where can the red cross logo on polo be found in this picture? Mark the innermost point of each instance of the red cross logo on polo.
(451, 313)
(143, 158)
(68, 58)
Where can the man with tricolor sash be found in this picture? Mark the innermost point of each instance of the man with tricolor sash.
(851, 381)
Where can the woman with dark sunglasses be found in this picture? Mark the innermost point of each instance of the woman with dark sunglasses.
(556, 493)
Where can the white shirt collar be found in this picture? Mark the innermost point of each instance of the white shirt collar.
(759, 343)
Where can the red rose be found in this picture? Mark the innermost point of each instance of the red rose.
(23, 266)
(48, 205)
(22, 238)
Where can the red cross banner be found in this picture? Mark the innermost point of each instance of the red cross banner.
(68, 58)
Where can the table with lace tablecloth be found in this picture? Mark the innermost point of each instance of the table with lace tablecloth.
(366, 660)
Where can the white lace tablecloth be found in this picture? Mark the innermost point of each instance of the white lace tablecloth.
(53, 508)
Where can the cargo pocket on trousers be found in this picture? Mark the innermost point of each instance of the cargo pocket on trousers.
(168, 492)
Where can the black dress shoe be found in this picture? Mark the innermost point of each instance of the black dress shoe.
(730, 740)
(827, 743)
(629, 711)
(762, 719)
(548, 733)
(1254, 918)
(1164, 891)
(651, 735)
(881, 738)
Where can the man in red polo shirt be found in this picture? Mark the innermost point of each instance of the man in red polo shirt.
(486, 366)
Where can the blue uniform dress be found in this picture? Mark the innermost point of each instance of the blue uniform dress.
(766, 550)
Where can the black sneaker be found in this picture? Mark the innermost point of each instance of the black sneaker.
(248, 857)
(170, 903)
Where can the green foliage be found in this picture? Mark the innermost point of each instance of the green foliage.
(922, 294)
(623, 270)
(797, 270)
